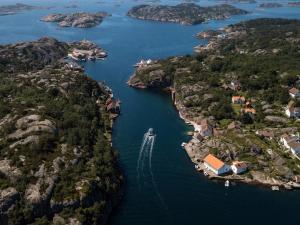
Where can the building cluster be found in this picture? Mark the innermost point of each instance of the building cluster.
(143, 63)
(218, 167)
(113, 106)
(83, 55)
(246, 105)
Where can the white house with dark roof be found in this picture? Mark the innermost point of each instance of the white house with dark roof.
(294, 92)
(291, 111)
(291, 142)
(239, 167)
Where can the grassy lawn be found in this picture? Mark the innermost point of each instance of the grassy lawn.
(236, 108)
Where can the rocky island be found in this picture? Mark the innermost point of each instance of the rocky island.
(80, 19)
(239, 1)
(294, 4)
(57, 165)
(185, 13)
(13, 9)
(241, 96)
(270, 5)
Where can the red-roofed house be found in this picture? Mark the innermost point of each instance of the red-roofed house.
(215, 165)
(238, 99)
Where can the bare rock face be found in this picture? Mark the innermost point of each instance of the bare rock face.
(31, 55)
(9, 171)
(80, 20)
(8, 197)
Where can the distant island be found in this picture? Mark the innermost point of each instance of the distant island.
(80, 19)
(185, 13)
(243, 99)
(238, 1)
(56, 160)
(13, 9)
(294, 4)
(270, 5)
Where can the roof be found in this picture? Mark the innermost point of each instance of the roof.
(289, 138)
(290, 104)
(296, 109)
(250, 110)
(265, 133)
(235, 98)
(294, 91)
(294, 144)
(240, 165)
(205, 125)
(213, 161)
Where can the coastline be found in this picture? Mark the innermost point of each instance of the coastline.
(199, 166)
(251, 177)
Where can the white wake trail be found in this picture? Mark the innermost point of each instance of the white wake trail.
(152, 176)
(145, 139)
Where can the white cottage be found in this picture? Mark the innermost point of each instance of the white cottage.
(215, 165)
(294, 92)
(291, 142)
(291, 111)
(239, 167)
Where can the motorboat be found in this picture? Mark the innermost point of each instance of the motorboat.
(150, 132)
(227, 183)
(275, 188)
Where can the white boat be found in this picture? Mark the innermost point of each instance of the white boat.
(183, 144)
(227, 183)
(275, 188)
(150, 132)
(196, 166)
(205, 173)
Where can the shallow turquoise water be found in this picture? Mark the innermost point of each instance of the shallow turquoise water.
(176, 193)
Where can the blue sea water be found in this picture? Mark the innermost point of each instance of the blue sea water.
(171, 191)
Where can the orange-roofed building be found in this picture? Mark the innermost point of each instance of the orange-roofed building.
(215, 165)
(249, 110)
(238, 99)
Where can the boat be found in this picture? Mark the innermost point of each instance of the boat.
(275, 188)
(227, 183)
(196, 166)
(183, 144)
(150, 132)
(205, 173)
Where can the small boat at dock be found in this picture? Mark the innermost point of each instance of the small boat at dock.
(183, 144)
(275, 188)
(227, 183)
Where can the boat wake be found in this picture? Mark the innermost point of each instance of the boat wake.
(146, 152)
